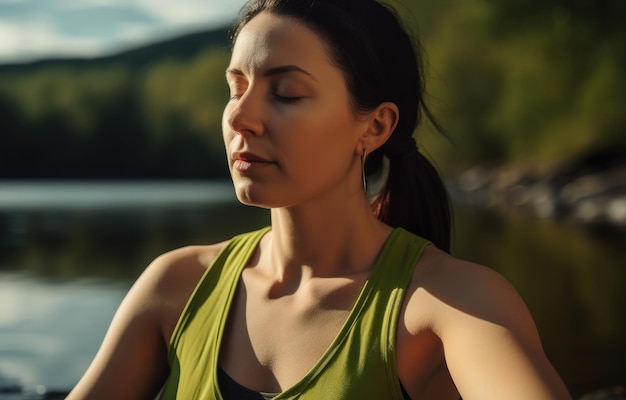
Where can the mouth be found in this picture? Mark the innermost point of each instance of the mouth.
(245, 161)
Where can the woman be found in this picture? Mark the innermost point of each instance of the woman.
(337, 300)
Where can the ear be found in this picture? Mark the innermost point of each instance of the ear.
(382, 121)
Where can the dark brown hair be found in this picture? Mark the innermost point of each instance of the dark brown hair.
(380, 62)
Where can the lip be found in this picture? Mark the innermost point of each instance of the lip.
(246, 161)
(247, 156)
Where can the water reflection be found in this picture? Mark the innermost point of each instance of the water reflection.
(90, 237)
(64, 270)
(50, 331)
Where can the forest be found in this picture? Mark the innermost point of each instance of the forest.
(522, 83)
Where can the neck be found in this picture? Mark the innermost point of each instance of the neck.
(327, 238)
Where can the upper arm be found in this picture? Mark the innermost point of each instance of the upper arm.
(132, 360)
(491, 345)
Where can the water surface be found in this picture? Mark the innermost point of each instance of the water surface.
(69, 252)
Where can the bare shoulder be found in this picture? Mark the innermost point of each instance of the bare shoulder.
(181, 265)
(490, 341)
(132, 360)
(172, 277)
(457, 290)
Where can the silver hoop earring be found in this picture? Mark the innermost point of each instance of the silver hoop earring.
(363, 156)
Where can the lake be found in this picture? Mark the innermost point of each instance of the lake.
(70, 251)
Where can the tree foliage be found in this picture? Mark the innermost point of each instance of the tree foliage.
(514, 82)
(115, 121)
(529, 82)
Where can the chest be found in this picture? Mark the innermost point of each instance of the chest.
(272, 339)
(271, 344)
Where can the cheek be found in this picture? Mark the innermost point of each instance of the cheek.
(321, 142)
(335, 128)
(329, 119)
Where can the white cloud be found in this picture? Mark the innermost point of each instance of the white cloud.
(10, 38)
(134, 33)
(89, 3)
(191, 11)
(20, 42)
(31, 30)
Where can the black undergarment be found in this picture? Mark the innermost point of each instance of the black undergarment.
(232, 390)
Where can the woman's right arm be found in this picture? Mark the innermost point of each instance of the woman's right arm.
(132, 360)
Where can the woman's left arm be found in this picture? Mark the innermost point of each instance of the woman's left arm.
(491, 345)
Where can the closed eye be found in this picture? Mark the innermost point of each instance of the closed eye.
(288, 99)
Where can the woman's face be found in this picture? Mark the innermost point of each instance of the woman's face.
(289, 129)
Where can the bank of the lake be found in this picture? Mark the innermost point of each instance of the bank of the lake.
(590, 190)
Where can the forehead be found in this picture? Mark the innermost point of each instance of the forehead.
(274, 39)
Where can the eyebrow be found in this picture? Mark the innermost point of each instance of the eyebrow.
(275, 71)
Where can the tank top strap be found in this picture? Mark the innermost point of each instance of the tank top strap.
(195, 342)
(235, 255)
(397, 262)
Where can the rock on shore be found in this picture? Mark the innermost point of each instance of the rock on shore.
(589, 190)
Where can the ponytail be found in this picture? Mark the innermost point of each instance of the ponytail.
(415, 198)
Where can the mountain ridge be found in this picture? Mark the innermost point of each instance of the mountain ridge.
(183, 47)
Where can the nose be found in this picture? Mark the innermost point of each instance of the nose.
(244, 115)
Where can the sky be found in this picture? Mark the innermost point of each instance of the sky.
(36, 29)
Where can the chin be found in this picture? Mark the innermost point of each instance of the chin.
(261, 200)
(266, 194)
(247, 201)
(251, 197)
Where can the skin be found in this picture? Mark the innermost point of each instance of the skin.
(294, 145)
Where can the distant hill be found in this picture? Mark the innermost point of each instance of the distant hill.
(183, 48)
(153, 112)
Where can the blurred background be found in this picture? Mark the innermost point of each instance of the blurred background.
(111, 154)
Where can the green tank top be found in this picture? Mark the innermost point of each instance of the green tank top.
(359, 364)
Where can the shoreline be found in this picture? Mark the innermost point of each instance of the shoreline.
(590, 191)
